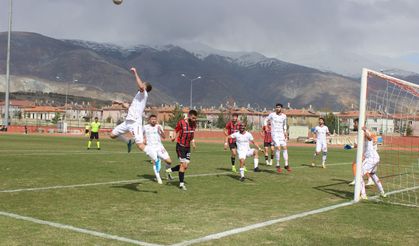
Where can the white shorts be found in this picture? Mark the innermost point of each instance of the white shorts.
(135, 128)
(245, 153)
(279, 141)
(321, 146)
(369, 165)
(161, 152)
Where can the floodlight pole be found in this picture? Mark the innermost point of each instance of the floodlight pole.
(191, 80)
(7, 92)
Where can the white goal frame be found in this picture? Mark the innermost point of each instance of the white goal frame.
(362, 117)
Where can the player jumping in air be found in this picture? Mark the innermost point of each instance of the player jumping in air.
(94, 133)
(321, 132)
(267, 142)
(133, 121)
(370, 162)
(279, 135)
(185, 131)
(231, 127)
(153, 133)
(243, 140)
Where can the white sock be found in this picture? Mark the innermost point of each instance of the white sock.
(278, 156)
(324, 157)
(242, 172)
(363, 192)
(377, 182)
(122, 138)
(256, 162)
(285, 155)
(155, 172)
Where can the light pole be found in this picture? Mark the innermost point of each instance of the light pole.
(6, 101)
(192, 80)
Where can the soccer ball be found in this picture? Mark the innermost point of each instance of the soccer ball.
(117, 2)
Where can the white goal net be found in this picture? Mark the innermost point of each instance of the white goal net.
(389, 108)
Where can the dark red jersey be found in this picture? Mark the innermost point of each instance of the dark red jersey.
(186, 132)
(232, 128)
(267, 134)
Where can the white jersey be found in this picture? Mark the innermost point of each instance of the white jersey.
(242, 140)
(136, 109)
(321, 133)
(369, 150)
(152, 134)
(278, 124)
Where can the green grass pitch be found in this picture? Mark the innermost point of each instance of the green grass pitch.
(140, 209)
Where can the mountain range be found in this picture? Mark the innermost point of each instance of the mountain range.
(101, 71)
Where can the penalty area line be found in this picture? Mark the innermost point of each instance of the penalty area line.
(262, 224)
(76, 229)
(279, 220)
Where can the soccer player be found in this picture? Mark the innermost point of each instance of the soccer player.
(153, 133)
(279, 135)
(185, 131)
(321, 132)
(370, 163)
(94, 133)
(370, 181)
(133, 121)
(243, 140)
(231, 127)
(267, 142)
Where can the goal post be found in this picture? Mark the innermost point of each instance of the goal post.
(389, 107)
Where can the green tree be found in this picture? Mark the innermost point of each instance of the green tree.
(331, 121)
(221, 121)
(56, 118)
(177, 115)
(409, 130)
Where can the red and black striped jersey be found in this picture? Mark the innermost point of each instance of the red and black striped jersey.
(232, 128)
(267, 134)
(186, 132)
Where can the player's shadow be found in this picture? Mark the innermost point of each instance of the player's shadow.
(147, 176)
(270, 171)
(333, 190)
(133, 187)
(224, 169)
(237, 177)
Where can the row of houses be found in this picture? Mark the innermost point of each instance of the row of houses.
(116, 112)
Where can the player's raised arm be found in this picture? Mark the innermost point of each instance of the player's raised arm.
(140, 83)
(367, 133)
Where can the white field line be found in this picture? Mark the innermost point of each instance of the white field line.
(81, 152)
(262, 224)
(275, 221)
(76, 229)
(100, 183)
(124, 181)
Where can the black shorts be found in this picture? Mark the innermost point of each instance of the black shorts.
(233, 145)
(94, 135)
(268, 144)
(183, 153)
